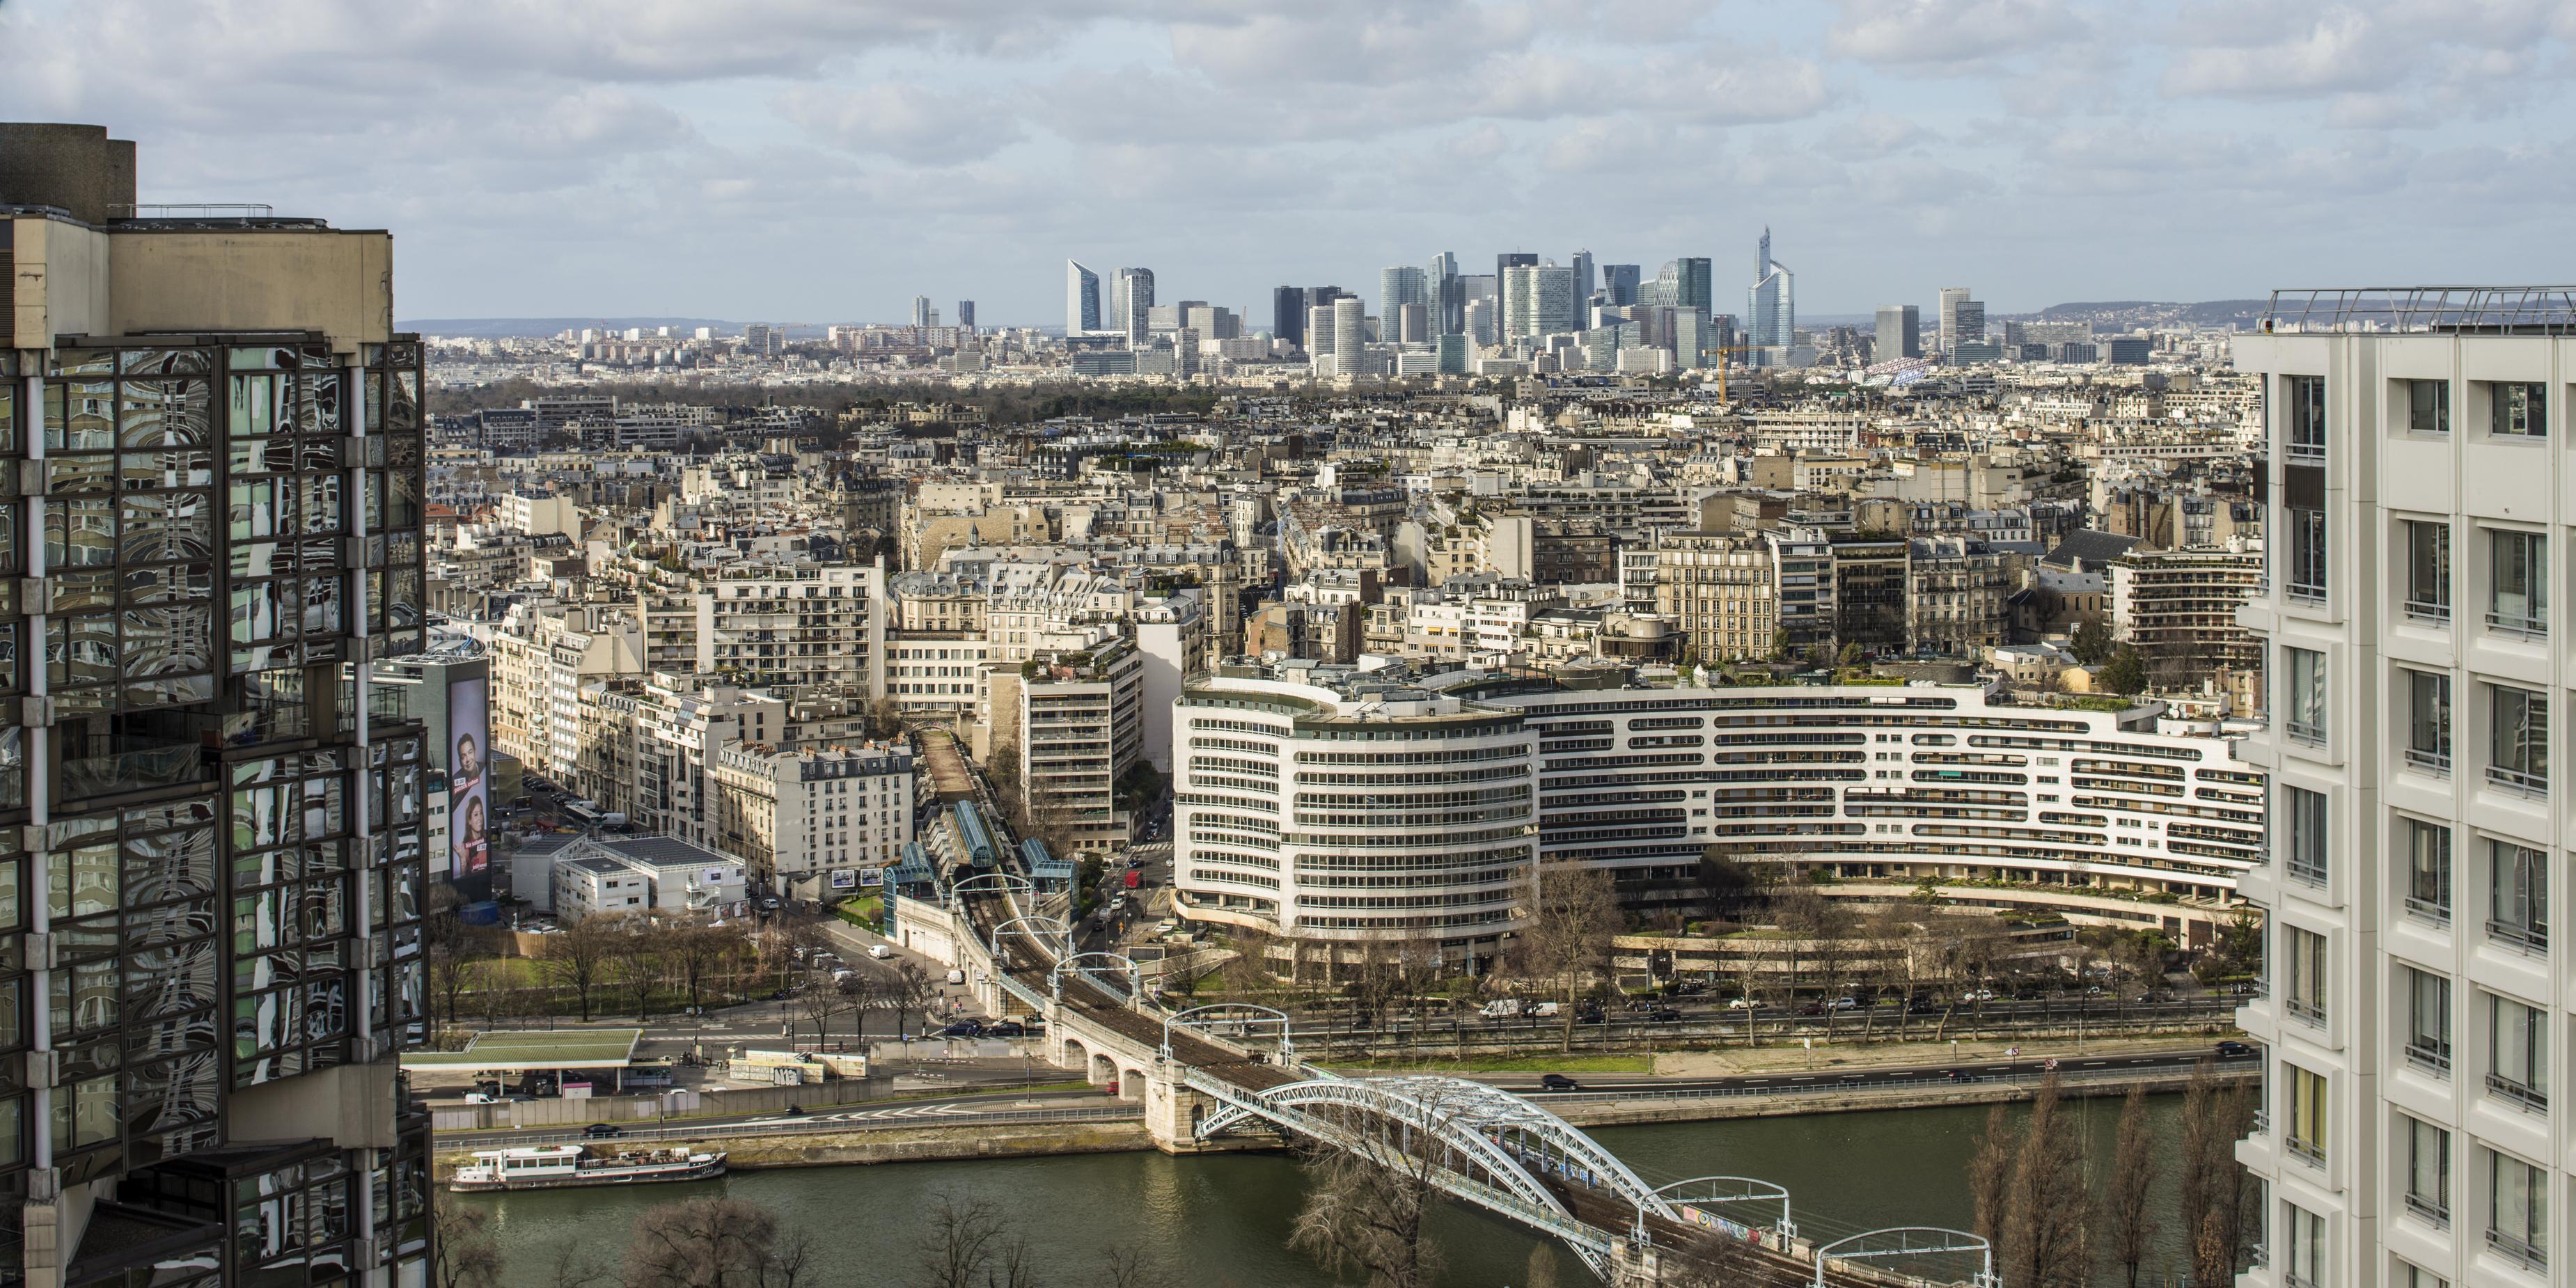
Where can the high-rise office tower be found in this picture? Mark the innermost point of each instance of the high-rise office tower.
(1131, 302)
(213, 825)
(921, 310)
(1448, 301)
(1350, 335)
(966, 315)
(1899, 334)
(1397, 287)
(1185, 353)
(1582, 280)
(1413, 323)
(1081, 299)
(1479, 321)
(1538, 301)
(1288, 315)
(1619, 283)
(1319, 330)
(1961, 318)
(1771, 306)
(1503, 265)
(2416, 1022)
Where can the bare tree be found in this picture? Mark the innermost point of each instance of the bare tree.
(1367, 1216)
(817, 1006)
(1564, 942)
(2044, 1217)
(637, 964)
(1122, 1267)
(2127, 1218)
(963, 1241)
(692, 950)
(715, 1243)
(579, 957)
(912, 988)
(1990, 1175)
(1542, 1272)
(464, 1251)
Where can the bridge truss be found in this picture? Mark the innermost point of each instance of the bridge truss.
(1488, 1147)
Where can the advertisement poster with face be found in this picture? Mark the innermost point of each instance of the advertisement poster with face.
(469, 778)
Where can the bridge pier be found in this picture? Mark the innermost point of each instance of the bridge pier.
(1635, 1265)
(1173, 1110)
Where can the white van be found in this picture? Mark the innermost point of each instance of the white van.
(956, 977)
(880, 951)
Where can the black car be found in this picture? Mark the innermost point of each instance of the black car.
(1589, 1015)
(963, 1029)
(601, 1131)
(2234, 1050)
(1006, 1029)
(1663, 1015)
(1557, 1082)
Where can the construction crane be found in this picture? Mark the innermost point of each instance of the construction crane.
(1722, 351)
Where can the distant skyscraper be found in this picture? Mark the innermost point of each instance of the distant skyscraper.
(1350, 335)
(1397, 287)
(1538, 301)
(1582, 281)
(1503, 266)
(1962, 319)
(1448, 300)
(1131, 298)
(1771, 307)
(1619, 283)
(1900, 333)
(1288, 315)
(921, 310)
(966, 315)
(1319, 330)
(1478, 324)
(1413, 323)
(1081, 299)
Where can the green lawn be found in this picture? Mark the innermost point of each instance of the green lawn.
(867, 910)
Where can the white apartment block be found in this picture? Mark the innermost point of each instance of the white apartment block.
(796, 624)
(2422, 485)
(807, 822)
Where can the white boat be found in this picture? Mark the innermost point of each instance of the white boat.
(540, 1167)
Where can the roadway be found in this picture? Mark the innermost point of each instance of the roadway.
(2174, 1062)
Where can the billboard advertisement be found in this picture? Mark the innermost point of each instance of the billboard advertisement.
(469, 777)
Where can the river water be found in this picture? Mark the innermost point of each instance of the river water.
(1222, 1220)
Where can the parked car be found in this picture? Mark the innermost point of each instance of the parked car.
(2234, 1050)
(602, 1131)
(1843, 1004)
(1006, 1029)
(964, 1029)
(1557, 1082)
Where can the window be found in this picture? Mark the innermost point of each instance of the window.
(2428, 570)
(2428, 1171)
(2428, 878)
(2519, 410)
(2307, 554)
(2518, 1209)
(2428, 406)
(2306, 436)
(2518, 895)
(2414, 1276)
(2305, 813)
(2307, 1138)
(2428, 721)
(2428, 1021)
(2303, 1263)
(2518, 1053)
(2518, 583)
(2305, 700)
(2306, 995)
(2518, 740)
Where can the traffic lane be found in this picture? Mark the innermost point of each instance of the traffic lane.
(855, 1110)
(2174, 1061)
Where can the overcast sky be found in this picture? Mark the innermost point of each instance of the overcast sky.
(826, 160)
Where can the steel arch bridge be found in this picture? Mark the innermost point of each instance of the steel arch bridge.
(1495, 1147)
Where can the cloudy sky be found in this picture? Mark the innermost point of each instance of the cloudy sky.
(826, 160)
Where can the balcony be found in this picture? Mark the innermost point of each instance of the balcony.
(2427, 910)
(2305, 871)
(2306, 1011)
(2431, 1209)
(2312, 732)
(2436, 763)
(2519, 625)
(2428, 611)
(2304, 1150)
(2515, 1249)
(2430, 1058)
(2530, 1098)
(2529, 938)
(2521, 782)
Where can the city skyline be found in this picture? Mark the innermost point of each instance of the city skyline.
(836, 160)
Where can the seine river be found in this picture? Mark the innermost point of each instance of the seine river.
(1223, 1219)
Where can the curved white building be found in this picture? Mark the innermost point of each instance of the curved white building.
(1415, 813)
(1908, 785)
(1368, 813)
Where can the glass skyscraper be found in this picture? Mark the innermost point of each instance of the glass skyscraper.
(1081, 299)
(1771, 307)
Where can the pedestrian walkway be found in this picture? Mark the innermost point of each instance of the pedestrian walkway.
(1741, 1060)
